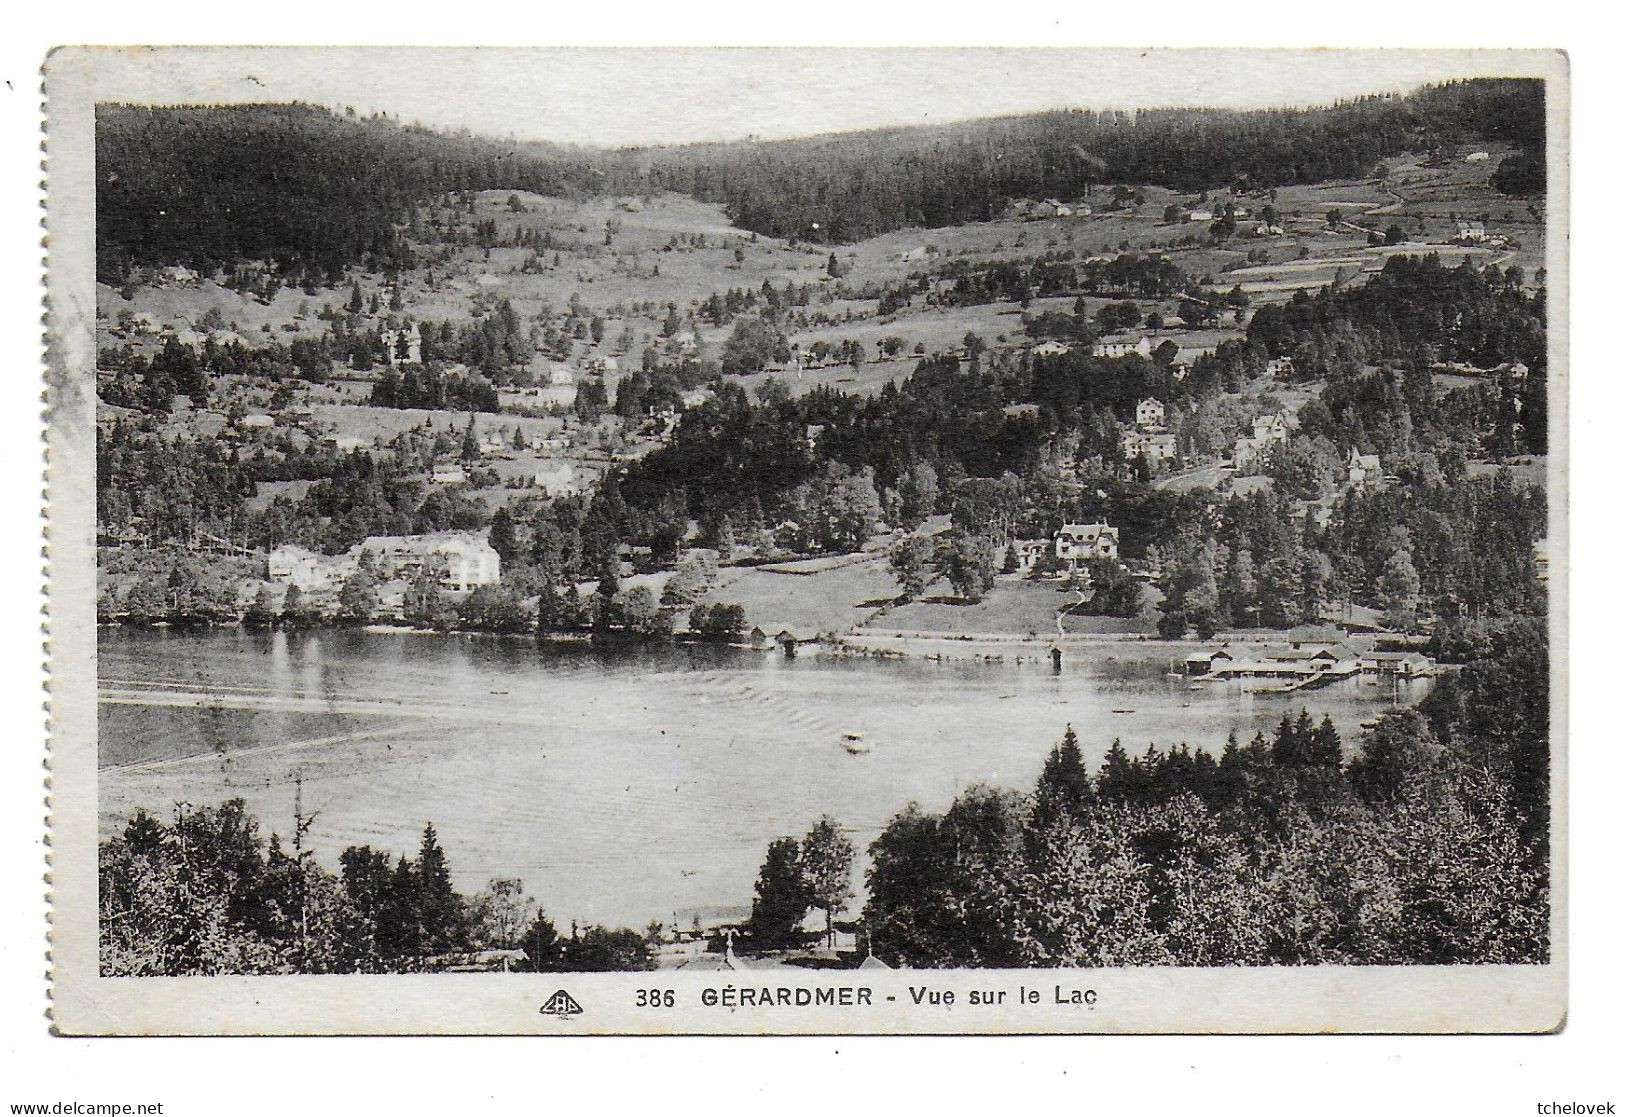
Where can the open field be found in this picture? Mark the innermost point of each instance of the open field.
(632, 260)
(832, 600)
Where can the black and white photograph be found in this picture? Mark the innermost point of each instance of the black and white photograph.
(811, 540)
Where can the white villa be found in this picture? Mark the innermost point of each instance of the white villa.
(1364, 469)
(1075, 543)
(1151, 413)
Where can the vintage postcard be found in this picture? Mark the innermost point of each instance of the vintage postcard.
(589, 541)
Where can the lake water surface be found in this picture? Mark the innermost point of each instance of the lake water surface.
(626, 784)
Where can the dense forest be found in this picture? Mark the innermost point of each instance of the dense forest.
(311, 191)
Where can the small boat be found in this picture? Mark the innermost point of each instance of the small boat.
(1122, 711)
(499, 692)
(854, 743)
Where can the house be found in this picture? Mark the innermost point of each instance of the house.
(1201, 663)
(1199, 215)
(1247, 454)
(463, 561)
(449, 475)
(1051, 349)
(1364, 469)
(1541, 555)
(1150, 413)
(1075, 543)
(298, 566)
(1028, 552)
(404, 346)
(1123, 348)
(1278, 366)
(1406, 665)
(1271, 428)
(1265, 229)
(1470, 232)
(1153, 447)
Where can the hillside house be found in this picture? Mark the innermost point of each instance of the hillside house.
(462, 561)
(1153, 447)
(1199, 215)
(1075, 543)
(1150, 414)
(1278, 366)
(311, 572)
(1271, 428)
(1028, 553)
(1364, 469)
(449, 475)
(1051, 349)
(1470, 232)
(1122, 348)
(1265, 229)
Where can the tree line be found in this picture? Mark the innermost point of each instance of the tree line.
(310, 191)
(204, 893)
(1425, 845)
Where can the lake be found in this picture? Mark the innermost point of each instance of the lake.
(620, 784)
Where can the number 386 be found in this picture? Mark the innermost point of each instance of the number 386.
(657, 998)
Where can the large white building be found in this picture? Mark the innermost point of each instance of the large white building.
(1151, 413)
(1123, 348)
(461, 561)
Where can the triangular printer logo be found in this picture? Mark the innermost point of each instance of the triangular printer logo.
(562, 1004)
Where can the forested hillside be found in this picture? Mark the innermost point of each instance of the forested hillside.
(312, 191)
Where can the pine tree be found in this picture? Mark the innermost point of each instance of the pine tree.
(1064, 784)
(440, 909)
